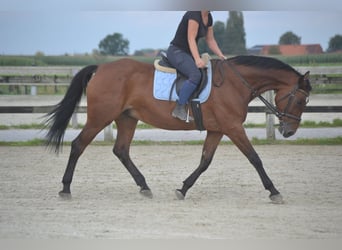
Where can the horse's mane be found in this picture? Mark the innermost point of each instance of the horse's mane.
(262, 62)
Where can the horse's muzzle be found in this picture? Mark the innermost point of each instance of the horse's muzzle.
(286, 130)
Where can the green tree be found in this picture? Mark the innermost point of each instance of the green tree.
(234, 36)
(335, 43)
(114, 44)
(289, 38)
(219, 30)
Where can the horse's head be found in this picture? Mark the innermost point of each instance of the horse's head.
(291, 105)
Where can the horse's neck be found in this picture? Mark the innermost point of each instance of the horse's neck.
(263, 81)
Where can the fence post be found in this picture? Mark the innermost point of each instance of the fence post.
(74, 122)
(33, 90)
(108, 133)
(270, 133)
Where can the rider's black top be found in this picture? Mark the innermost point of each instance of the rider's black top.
(181, 37)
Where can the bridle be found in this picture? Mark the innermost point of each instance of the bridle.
(291, 96)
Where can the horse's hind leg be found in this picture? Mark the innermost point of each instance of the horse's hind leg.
(125, 131)
(208, 151)
(77, 147)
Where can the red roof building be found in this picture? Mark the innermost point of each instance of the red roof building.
(288, 50)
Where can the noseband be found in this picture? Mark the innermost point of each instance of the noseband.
(291, 96)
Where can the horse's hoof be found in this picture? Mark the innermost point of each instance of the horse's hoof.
(65, 196)
(277, 199)
(146, 193)
(179, 194)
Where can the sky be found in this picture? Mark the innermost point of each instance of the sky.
(25, 30)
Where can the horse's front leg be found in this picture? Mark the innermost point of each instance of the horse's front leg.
(208, 151)
(240, 139)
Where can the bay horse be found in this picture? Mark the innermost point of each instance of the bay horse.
(121, 91)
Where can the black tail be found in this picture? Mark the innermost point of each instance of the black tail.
(58, 119)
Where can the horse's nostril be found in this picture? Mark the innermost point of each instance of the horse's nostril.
(288, 134)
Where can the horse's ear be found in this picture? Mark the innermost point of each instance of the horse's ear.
(306, 81)
(306, 75)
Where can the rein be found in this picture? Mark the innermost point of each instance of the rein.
(274, 110)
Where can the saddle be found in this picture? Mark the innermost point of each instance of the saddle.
(164, 65)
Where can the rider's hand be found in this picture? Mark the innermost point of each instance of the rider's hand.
(200, 63)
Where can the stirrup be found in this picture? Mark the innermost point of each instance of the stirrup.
(185, 116)
(188, 115)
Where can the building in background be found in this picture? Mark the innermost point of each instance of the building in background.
(286, 50)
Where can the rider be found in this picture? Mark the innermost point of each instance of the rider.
(183, 53)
